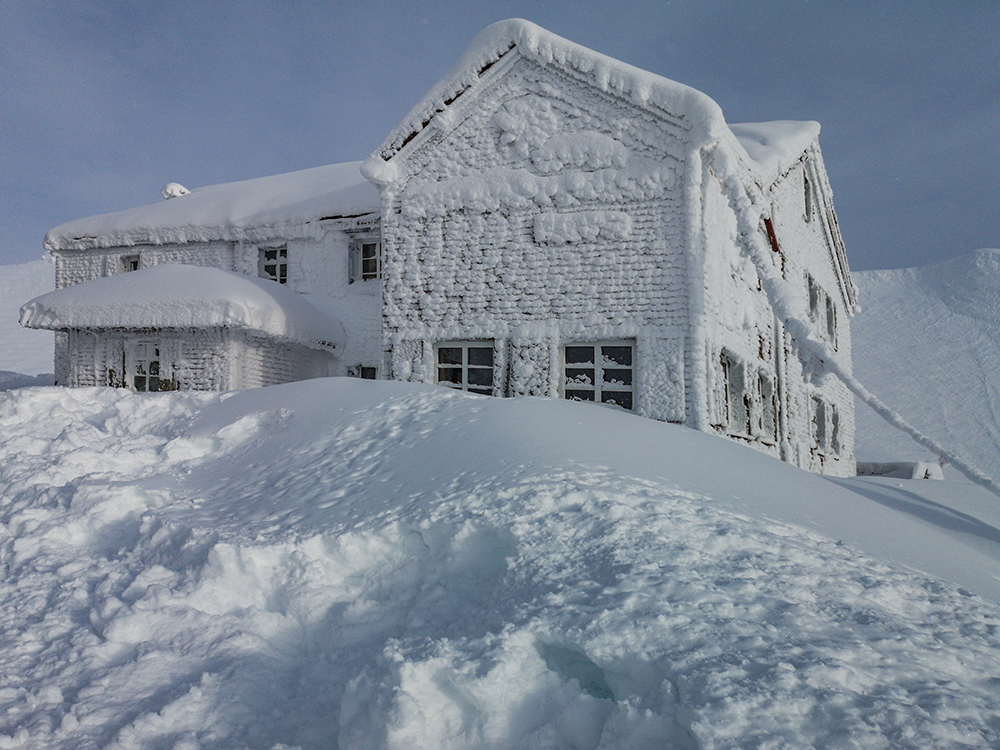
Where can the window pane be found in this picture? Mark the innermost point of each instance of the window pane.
(579, 377)
(154, 368)
(579, 355)
(283, 252)
(621, 398)
(154, 384)
(450, 375)
(451, 355)
(618, 377)
(481, 356)
(140, 383)
(270, 255)
(617, 355)
(369, 250)
(575, 395)
(482, 376)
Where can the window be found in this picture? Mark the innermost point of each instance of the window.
(272, 263)
(822, 311)
(129, 263)
(767, 426)
(825, 426)
(146, 373)
(363, 372)
(366, 260)
(735, 394)
(808, 197)
(602, 372)
(466, 366)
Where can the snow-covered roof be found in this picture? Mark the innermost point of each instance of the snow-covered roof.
(178, 296)
(771, 147)
(284, 205)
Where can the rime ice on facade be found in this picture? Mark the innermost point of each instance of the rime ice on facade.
(585, 223)
(217, 331)
(556, 223)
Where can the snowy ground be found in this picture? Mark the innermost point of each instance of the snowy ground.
(24, 354)
(357, 564)
(353, 564)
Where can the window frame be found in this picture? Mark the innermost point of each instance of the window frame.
(825, 435)
(147, 367)
(822, 311)
(358, 270)
(466, 367)
(129, 263)
(599, 385)
(280, 263)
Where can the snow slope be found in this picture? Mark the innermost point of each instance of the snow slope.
(23, 353)
(928, 343)
(359, 564)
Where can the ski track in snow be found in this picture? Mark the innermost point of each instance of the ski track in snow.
(302, 567)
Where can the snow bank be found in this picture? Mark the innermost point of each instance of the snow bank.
(928, 339)
(23, 353)
(282, 206)
(178, 296)
(354, 564)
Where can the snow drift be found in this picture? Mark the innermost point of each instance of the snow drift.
(355, 564)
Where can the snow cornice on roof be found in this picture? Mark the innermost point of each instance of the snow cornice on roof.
(291, 205)
(179, 296)
(653, 92)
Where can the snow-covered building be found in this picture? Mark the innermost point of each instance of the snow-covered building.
(305, 230)
(550, 222)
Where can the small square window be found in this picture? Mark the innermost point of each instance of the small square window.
(129, 263)
(272, 263)
(466, 366)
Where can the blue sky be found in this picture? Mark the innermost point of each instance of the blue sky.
(102, 103)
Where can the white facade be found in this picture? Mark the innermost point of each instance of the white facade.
(549, 222)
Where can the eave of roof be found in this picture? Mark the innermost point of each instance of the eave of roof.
(282, 206)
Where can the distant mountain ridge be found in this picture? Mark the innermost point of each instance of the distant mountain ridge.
(927, 342)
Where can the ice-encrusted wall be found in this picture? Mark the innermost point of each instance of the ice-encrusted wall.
(318, 268)
(194, 359)
(542, 213)
(805, 230)
(740, 322)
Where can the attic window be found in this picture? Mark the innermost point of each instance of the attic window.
(272, 263)
(602, 371)
(129, 263)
